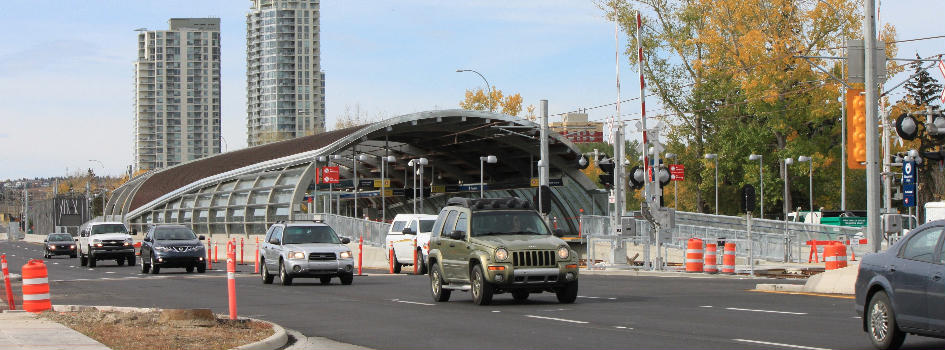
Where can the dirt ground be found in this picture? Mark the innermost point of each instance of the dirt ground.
(142, 330)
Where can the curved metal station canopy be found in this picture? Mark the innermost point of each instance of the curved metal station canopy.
(244, 191)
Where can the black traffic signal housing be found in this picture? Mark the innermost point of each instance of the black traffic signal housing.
(636, 177)
(607, 178)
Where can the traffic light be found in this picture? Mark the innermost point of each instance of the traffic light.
(607, 166)
(856, 129)
(907, 127)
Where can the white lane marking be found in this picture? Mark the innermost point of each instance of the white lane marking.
(496, 311)
(412, 302)
(557, 319)
(779, 344)
(767, 311)
(587, 297)
(622, 327)
(706, 306)
(109, 271)
(611, 298)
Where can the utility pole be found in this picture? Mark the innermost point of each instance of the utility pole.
(26, 207)
(873, 229)
(544, 160)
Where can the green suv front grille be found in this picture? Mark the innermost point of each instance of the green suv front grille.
(533, 258)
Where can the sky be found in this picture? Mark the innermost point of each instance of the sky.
(66, 67)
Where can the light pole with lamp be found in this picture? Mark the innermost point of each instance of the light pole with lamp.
(414, 163)
(482, 182)
(384, 161)
(103, 188)
(669, 156)
(319, 179)
(331, 190)
(716, 158)
(356, 157)
(488, 87)
(761, 179)
(787, 206)
(810, 180)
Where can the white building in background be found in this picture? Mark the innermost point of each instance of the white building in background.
(285, 84)
(177, 93)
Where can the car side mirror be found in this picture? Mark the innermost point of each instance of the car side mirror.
(559, 232)
(457, 235)
(408, 231)
(345, 240)
(274, 241)
(202, 237)
(134, 232)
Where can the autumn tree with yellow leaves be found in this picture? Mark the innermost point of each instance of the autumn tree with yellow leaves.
(494, 101)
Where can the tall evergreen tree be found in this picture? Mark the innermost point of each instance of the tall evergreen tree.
(923, 90)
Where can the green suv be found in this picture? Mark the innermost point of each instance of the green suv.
(498, 245)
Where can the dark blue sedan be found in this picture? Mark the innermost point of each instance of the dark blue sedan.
(902, 290)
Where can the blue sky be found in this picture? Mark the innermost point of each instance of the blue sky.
(66, 76)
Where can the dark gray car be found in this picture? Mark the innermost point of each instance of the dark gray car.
(172, 246)
(902, 290)
(59, 244)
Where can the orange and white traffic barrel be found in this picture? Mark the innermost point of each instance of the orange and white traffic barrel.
(35, 287)
(835, 256)
(694, 255)
(710, 265)
(728, 259)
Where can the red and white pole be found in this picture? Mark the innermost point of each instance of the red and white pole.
(216, 249)
(231, 278)
(242, 252)
(360, 253)
(256, 257)
(209, 248)
(6, 282)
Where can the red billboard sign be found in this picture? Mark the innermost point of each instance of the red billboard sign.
(328, 175)
(677, 172)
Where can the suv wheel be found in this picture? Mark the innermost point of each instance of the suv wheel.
(202, 267)
(568, 293)
(481, 289)
(347, 278)
(394, 263)
(881, 323)
(144, 266)
(436, 285)
(155, 269)
(284, 277)
(421, 263)
(264, 273)
(91, 259)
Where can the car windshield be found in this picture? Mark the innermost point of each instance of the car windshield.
(518, 222)
(309, 234)
(426, 225)
(60, 237)
(173, 233)
(108, 228)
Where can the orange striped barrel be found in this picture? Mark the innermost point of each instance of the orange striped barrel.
(35, 287)
(694, 255)
(711, 257)
(728, 259)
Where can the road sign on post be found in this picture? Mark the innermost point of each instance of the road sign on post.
(330, 174)
(677, 172)
(908, 184)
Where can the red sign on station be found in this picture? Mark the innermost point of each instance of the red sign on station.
(328, 175)
(677, 172)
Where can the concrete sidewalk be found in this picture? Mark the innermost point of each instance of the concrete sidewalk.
(24, 330)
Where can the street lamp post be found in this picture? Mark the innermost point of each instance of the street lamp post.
(384, 162)
(331, 190)
(355, 159)
(787, 206)
(414, 163)
(669, 156)
(716, 157)
(761, 179)
(488, 87)
(810, 180)
(482, 182)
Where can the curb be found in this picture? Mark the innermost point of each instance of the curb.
(780, 287)
(277, 340)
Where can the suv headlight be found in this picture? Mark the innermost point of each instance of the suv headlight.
(563, 253)
(501, 254)
(345, 254)
(296, 255)
(129, 241)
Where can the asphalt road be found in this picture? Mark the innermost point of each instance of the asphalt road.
(396, 312)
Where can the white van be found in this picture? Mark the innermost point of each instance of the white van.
(934, 211)
(404, 231)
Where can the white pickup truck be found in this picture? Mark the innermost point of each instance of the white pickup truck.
(410, 233)
(105, 241)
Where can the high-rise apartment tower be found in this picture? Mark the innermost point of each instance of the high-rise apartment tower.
(177, 93)
(285, 84)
